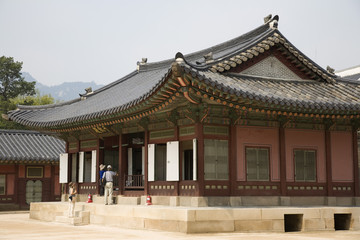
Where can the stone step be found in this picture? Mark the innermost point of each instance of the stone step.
(70, 220)
(80, 218)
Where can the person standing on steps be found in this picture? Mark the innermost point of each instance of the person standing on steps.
(101, 173)
(108, 177)
(72, 196)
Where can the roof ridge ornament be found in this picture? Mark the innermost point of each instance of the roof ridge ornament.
(330, 70)
(267, 18)
(209, 57)
(175, 66)
(143, 62)
(274, 22)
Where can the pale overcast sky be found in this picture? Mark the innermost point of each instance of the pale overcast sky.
(101, 40)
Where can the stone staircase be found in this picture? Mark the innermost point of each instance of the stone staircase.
(80, 218)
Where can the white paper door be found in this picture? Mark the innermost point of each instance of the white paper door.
(172, 161)
(81, 167)
(151, 162)
(142, 161)
(194, 159)
(63, 168)
(93, 166)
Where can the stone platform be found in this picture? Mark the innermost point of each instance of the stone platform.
(203, 219)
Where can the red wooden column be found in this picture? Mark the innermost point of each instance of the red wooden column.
(64, 185)
(146, 142)
(328, 162)
(97, 166)
(232, 160)
(282, 160)
(121, 166)
(356, 163)
(200, 158)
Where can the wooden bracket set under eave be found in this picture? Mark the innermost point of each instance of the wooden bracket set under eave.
(178, 73)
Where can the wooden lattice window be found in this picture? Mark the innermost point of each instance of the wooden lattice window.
(257, 164)
(2, 184)
(216, 159)
(34, 172)
(305, 165)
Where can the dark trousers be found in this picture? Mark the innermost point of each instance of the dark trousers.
(101, 189)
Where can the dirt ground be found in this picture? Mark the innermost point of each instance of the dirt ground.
(17, 225)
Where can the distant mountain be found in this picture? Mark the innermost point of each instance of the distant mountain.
(63, 92)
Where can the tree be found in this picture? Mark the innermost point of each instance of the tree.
(12, 84)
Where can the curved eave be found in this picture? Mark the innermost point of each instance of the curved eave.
(30, 161)
(253, 99)
(22, 115)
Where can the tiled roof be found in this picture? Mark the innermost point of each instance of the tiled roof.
(301, 94)
(22, 145)
(125, 93)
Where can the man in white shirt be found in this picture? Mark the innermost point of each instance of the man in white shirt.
(108, 176)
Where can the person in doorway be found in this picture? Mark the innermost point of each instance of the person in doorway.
(72, 196)
(101, 173)
(108, 177)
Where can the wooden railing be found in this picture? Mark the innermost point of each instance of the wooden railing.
(134, 181)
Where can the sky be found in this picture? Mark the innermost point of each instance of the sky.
(102, 40)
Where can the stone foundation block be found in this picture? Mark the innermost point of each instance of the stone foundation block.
(254, 225)
(247, 214)
(314, 224)
(210, 226)
(235, 201)
(209, 213)
(260, 201)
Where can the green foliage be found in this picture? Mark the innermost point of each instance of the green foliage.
(32, 100)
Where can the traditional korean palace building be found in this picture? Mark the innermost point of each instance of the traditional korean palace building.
(29, 168)
(252, 116)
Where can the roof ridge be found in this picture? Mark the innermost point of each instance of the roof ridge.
(16, 131)
(195, 55)
(40, 107)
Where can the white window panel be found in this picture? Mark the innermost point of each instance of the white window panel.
(63, 168)
(81, 167)
(93, 166)
(151, 162)
(195, 159)
(172, 161)
(143, 160)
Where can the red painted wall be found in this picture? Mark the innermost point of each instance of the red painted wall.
(47, 172)
(305, 139)
(10, 184)
(21, 171)
(261, 137)
(341, 157)
(7, 168)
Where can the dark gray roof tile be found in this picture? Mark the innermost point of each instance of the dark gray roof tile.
(21, 145)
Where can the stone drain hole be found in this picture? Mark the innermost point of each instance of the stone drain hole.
(293, 222)
(342, 221)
